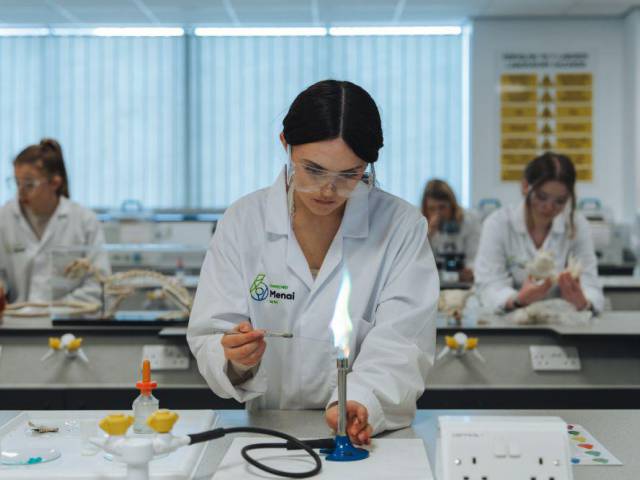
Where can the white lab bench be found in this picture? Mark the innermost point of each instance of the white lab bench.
(617, 430)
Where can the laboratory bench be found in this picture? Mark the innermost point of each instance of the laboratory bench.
(622, 291)
(608, 350)
(617, 430)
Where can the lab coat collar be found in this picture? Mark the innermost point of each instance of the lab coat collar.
(61, 210)
(518, 220)
(277, 220)
(355, 223)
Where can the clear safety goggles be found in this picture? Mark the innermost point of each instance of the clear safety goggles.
(308, 178)
(27, 185)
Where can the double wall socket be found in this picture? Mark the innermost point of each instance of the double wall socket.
(554, 358)
(502, 448)
(166, 357)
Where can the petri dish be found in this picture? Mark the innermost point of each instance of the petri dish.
(28, 456)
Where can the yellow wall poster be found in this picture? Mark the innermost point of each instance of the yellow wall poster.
(546, 103)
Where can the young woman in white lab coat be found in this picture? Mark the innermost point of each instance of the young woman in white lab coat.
(40, 220)
(440, 207)
(276, 262)
(546, 220)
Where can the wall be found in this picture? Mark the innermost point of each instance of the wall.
(604, 40)
(632, 109)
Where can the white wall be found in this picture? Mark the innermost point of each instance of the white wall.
(632, 109)
(602, 39)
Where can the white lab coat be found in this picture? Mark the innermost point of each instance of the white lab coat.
(506, 247)
(466, 240)
(27, 264)
(383, 242)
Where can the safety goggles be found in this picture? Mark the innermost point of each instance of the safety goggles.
(310, 178)
(545, 198)
(27, 185)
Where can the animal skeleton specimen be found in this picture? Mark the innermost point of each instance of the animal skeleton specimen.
(543, 266)
(120, 286)
(123, 284)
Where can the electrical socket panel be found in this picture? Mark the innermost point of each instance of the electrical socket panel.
(554, 358)
(502, 448)
(166, 357)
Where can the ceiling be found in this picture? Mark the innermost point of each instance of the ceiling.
(290, 12)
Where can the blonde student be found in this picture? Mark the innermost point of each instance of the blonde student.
(451, 228)
(546, 220)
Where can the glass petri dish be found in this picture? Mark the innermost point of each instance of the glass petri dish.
(28, 456)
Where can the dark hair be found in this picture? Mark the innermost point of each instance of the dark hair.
(548, 167)
(335, 109)
(46, 156)
(440, 190)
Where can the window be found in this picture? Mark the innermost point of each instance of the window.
(194, 121)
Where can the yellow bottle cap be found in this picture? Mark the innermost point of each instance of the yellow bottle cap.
(472, 342)
(162, 421)
(54, 343)
(116, 424)
(74, 344)
(450, 342)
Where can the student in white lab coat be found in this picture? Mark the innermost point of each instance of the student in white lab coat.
(440, 207)
(40, 220)
(546, 220)
(276, 262)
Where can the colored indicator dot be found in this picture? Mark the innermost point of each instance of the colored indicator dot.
(33, 460)
(575, 460)
(580, 439)
(601, 460)
(573, 432)
(593, 453)
(570, 427)
(586, 446)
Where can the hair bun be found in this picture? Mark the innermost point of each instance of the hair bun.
(50, 143)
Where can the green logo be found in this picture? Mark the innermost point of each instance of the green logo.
(259, 290)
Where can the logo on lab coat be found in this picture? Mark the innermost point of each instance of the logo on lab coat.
(260, 291)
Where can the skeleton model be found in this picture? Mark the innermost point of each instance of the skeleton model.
(452, 303)
(553, 311)
(122, 285)
(40, 309)
(119, 286)
(543, 266)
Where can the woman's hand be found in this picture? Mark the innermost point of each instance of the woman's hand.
(358, 427)
(434, 224)
(571, 291)
(466, 275)
(531, 292)
(246, 348)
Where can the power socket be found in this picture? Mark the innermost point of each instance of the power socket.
(166, 357)
(554, 358)
(502, 448)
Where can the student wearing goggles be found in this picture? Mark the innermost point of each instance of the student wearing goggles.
(40, 219)
(545, 221)
(277, 260)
